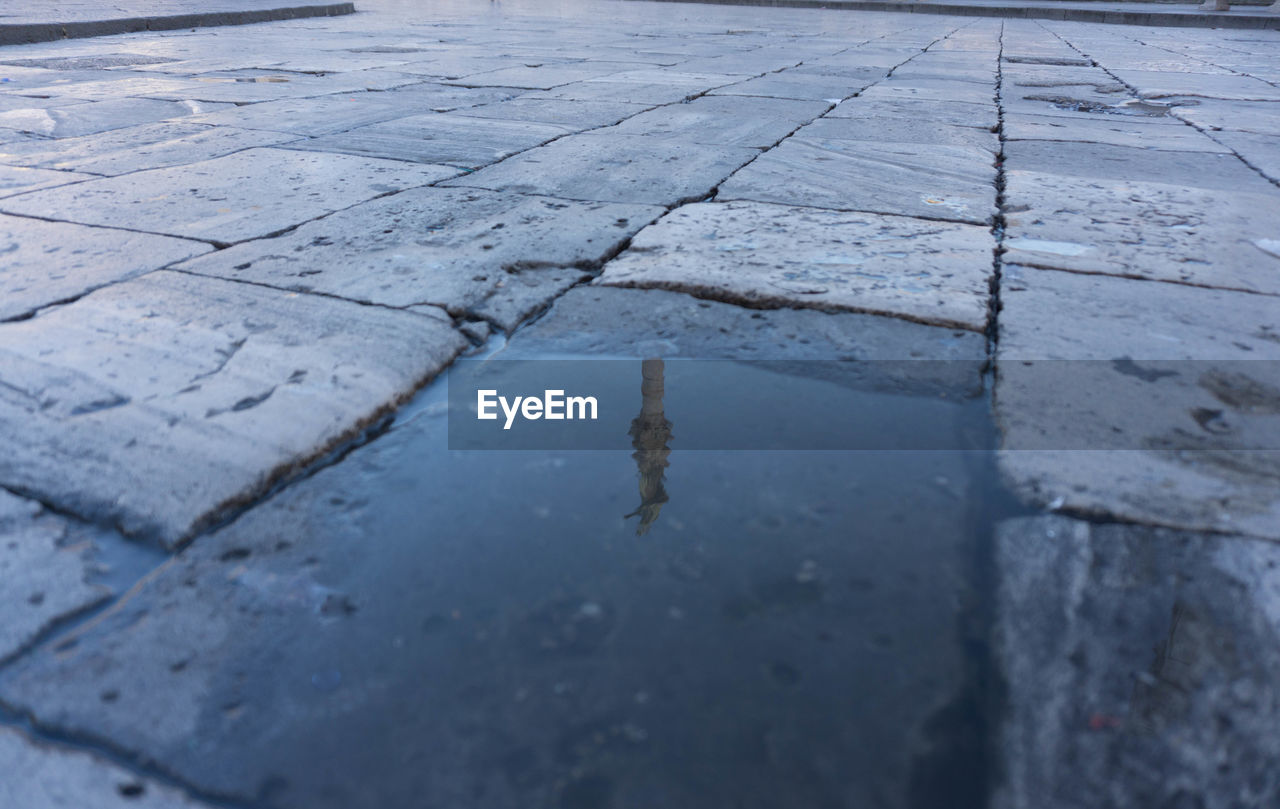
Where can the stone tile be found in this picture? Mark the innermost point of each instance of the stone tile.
(899, 130)
(1160, 84)
(343, 111)
(16, 180)
(451, 247)
(57, 778)
(614, 168)
(923, 180)
(572, 115)
(546, 76)
(138, 148)
(960, 92)
(1206, 237)
(1262, 152)
(1169, 443)
(248, 87)
(161, 403)
(41, 581)
(1154, 133)
(441, 138)
(612, 321)
(717, 120)
(1124, 650)
(98, 116)
(770, 256)
(1125, 164)
(48, 262)
(800, 85)
(241, 196)
(649, 88)
(1261, 118)
(955, 113)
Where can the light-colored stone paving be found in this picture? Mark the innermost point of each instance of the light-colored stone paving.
(225, 255)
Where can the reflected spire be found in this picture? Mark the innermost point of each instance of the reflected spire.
(650, 431)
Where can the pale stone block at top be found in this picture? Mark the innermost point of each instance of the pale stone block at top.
(1168, 428)
(40, 582)
(453, 247)
(38, 775)
(228, 199)
(613, 168)
(17, 180)
(783, 256)
(908, 179)
(48, 262)
(138, 148)
(1200, 236)
(160, 403)
(98, 116)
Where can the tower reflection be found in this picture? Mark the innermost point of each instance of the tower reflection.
(650, 431)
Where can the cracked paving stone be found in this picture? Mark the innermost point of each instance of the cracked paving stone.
(1147, 230)
(1261, 118)
(613, 168)
(1159, 84)
(158, 404)
(448, 139)
(16, 180)
(1174, 442)
(1124, 164)
(919, 180)
(337, 113)
(717, 120)
(48, 262)
(41, 581)
(963, 92)
(138, 148)
(1260, 151)
(781, 256)
(452, 247)
(648, 93)
(899, 130)
(956, 113)
(572, 115)
(1124, 650)
(229, 199)
(801, 85)
(49, 777)
(1156, 133)
(97, 116)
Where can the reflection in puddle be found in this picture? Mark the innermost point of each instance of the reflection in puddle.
(650, 432)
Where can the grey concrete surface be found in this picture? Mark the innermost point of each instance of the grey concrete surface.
(208, 298)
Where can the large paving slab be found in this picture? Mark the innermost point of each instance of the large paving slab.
(1166, 232)
(957, 113)
(1262, 152)
(251, 86)
(49, 777)
(159, 403)
(1244, 116)
(451, 247)
(337, 113)
(717, 120)
(614, 168)
(1116, 130)
(48, 262)
(137, 148)
(97, 116)
(921, 89)
(1176, 402)
(447, 139)
(17, 180)
(801, 84)
(908, 179)
(42, 581)
(612, 321)
(545, 76)
(1145, 657)
(1125, 164)
(899, 130)
(770, 256)
(575, 115)
(1160, 84)
(240, 196)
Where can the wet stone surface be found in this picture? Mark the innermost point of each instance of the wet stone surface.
(769, 256)
(451, 247)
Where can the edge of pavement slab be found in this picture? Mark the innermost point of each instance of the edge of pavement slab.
(26, 33)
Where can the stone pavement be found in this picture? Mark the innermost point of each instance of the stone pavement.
(230, 256)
